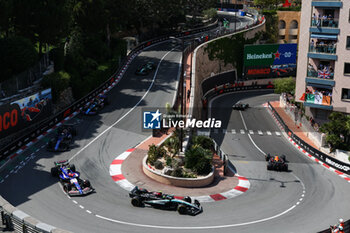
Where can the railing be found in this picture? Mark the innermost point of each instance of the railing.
(329, 49)
(325, 23)
(20, 221)
(24, 81)
(330, 161)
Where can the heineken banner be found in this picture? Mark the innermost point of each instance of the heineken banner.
(269, 61)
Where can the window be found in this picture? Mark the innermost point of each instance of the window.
(347, 69)
(348, 42)
(345, 94)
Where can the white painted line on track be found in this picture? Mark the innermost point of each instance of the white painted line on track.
(75, 202)
(82, 207)
(242, 131)
(260, 132)
(198, 227)
(268, 133)
(88, 211)
(278, 133)
(251, 132)
(233, 131)
(121, 118)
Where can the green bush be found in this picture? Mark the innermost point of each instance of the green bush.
(177, 172)
(199, 160)
(58, 81)
(169, 161)
(17, 55)
(158, 165)
(155, 153)
(173, 144)
(203, 141)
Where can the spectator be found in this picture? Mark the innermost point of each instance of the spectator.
(314, 19)
(312, 45)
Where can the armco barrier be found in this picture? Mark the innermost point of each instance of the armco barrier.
(346, 228)
(336, 164)
(107, 85)
(18, 221)
(21, 221)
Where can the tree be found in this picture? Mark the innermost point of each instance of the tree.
(230, 50)
(268, 3)
(198, 159)
(337, 131)
(284, 85)
(17, 55)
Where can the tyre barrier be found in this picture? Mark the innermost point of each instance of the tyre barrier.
(330, 161)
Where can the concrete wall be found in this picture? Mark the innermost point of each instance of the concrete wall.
(203, 68)
(177, 181)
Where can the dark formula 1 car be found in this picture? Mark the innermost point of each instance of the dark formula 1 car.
(70, 179)
(145, 69)
(276, 163)
(240, 106)
(94, 106)
(63, 138)
(141, 197)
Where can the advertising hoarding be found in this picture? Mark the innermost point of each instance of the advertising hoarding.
(269, 61)
(21, 113)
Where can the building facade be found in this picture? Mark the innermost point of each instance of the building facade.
(288, 26)
(323, 76)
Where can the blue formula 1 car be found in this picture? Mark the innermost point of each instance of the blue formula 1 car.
(70, 179)
(62, 140)
(94, 106)
(141, 197)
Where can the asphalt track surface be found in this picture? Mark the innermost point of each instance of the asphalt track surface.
(325, 198)
(270, 205)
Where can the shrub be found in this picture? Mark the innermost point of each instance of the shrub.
(169, 161)
(155, 153)
(177, 172)
(58, 81)
(203, 141)
(198, 159)
(158, 165)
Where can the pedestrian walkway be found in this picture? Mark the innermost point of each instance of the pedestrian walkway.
(292, 125)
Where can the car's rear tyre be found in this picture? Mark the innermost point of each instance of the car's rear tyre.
(136, 201)
(182, 209)
(283, 157)
(54, 171)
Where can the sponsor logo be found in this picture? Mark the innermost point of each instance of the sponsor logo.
(8, 119)
(151, 120)
(157, 120)
(337, 165)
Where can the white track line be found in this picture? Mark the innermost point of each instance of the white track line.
(137, 104)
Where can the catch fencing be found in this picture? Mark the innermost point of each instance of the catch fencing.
(14, 219)
(330, 161)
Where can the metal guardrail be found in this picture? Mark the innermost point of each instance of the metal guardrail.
(330, 161)
(18, 221)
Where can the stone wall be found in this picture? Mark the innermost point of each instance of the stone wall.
(203, 68)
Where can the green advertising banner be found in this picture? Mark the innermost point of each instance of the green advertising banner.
(270, 54)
